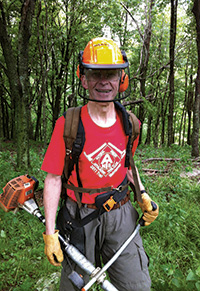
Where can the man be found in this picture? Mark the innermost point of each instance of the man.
(101, 164)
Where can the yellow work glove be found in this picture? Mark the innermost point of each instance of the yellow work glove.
(52, 248)
(149, 208)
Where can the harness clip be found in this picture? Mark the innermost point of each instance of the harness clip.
(119, 188)
(109, 204)
(68, 152)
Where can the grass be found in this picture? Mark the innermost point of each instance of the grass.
(172, 241)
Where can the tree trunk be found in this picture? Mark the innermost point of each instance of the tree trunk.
(163, 111)
(144, 63)
(4, 116)
(43, 73)
(190, 103)
(11, 68)
(184, 126)
(156, 131)
(149, 124)
(38, 122)
(183, 117)
(23, 103)
(174, 4)
(195, 135)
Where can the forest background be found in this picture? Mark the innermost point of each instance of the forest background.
(40, 42)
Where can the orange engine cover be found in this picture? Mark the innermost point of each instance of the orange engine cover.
(17, 190)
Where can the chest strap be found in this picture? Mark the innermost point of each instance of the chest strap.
(106, 201)
(92, 191)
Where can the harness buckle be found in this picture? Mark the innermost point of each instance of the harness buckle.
(119, 188)
(109, 204)
(68, 152)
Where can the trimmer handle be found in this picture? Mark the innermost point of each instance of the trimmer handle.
(154, 207)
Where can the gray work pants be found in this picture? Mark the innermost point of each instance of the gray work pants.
(130, 271)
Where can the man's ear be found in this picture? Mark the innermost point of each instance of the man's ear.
(84, 82)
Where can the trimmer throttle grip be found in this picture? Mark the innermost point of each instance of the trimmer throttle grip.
(154, 207)
(141, 221)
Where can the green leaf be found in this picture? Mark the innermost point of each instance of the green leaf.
(197, 284)
(176, 283)
(3, 234)
(198, 271)
(192, 276)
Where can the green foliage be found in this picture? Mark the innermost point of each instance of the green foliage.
(173, 240)
(8, 165)
(21, 252)
(60, 29)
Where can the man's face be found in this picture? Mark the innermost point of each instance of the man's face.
(101, 84)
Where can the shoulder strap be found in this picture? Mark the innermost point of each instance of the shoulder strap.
(72, 117)
(132, 129)
(74, 137)
(135, 126)
(130, 122)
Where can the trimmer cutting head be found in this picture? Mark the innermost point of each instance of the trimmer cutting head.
(17, 190)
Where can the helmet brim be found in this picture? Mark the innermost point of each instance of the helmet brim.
(105, 66)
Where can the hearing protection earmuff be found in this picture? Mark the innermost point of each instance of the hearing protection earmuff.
(124, 82)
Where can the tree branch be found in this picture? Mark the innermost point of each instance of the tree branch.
(133, 19)
(138, 101)
(160, 159)
(154, 171)
(4, 68)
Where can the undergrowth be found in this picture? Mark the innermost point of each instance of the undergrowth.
(172, 241)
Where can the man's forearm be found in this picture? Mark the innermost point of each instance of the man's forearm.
(130, 178)
(52, 190)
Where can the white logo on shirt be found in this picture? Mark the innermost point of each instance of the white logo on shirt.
(105, 160)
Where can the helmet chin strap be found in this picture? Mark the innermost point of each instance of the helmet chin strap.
(83, 96)
(104, 101)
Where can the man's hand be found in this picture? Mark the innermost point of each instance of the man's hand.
(149, 208)
(52, 248)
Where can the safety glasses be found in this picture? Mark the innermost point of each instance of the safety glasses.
(108, 75)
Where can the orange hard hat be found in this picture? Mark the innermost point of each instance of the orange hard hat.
(102, 53)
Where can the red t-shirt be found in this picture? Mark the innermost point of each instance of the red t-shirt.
(101, 163)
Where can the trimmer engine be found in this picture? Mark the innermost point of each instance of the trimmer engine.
(16, 191)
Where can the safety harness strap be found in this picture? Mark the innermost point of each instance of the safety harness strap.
(129, 119)
(135, 179)
(116, 195)
(133, 133)
(72, 121)
(93, 191)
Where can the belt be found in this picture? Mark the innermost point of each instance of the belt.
(117, 205)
